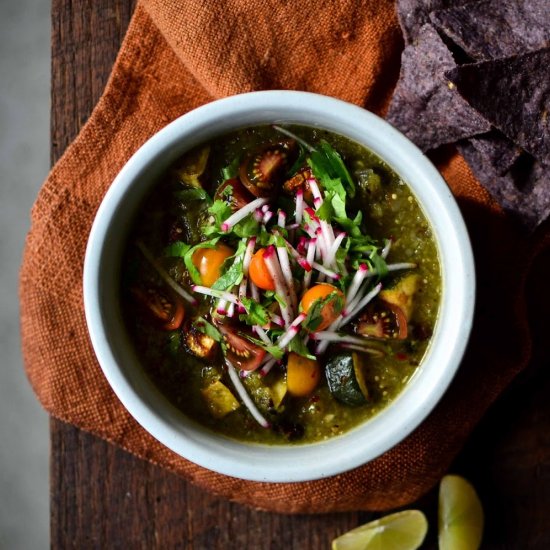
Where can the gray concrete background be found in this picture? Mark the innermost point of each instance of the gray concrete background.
(24, 162)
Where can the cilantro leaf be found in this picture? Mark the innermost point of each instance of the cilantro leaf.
(337, 167)
(319, 166)
(227, 193)
(352, 227)
(221, 210)
(280, 300)
(233, 274)
(256, 313)
(297, 345)
(379, 264)
(325, 211)
(249, 227)
(338, 205)
(277, 239)
(329, 169)
(177, 249)
(331, 172)
(333, 302)
(342, 254)
(264, 237)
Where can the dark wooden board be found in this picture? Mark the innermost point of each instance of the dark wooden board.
(102, 497)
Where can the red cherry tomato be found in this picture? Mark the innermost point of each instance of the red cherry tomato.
(167, 310)
(263, 172)
(241, 352)
(383, 320)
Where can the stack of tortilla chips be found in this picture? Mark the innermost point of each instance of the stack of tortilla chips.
(477, 74)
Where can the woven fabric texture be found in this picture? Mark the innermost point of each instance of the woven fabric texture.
(176, 56)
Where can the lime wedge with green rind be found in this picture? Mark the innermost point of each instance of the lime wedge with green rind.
(460, 515)
(400, 531)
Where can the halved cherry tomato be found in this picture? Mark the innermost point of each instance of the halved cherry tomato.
(209, 262)
(239, 197)
(259, 273)
(241, 352)
(330, 311)
(167, 310)
(263, 171)
(302, 375)
(383, 320)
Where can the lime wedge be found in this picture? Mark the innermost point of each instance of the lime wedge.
(460, 515)
(401, 531)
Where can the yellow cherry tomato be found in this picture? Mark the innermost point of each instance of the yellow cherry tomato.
(302, 375)
(209, 262)
(259, 273)
(320, 292)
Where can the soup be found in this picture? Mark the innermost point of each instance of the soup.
(280, 284)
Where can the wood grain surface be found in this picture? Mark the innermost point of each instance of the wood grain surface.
(102, 497)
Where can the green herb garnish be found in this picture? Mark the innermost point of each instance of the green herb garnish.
(202, 325)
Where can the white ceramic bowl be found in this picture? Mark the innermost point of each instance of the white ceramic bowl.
(253, 461)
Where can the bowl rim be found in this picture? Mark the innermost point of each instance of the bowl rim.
(292, 463)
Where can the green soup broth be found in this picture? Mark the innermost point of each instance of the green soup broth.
(390, 210)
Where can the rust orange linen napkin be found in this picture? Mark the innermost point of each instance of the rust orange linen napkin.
(177, 55)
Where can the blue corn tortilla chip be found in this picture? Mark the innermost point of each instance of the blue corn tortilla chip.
(505, 101)
(497, 150)
(424, 107)
(524, 191)
(513, 94)
(490, 29)
(413, 14)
